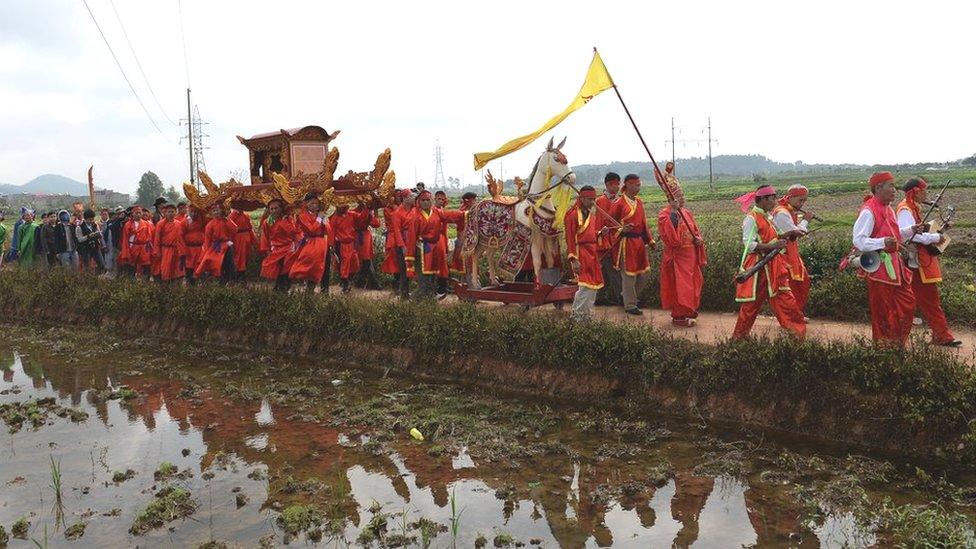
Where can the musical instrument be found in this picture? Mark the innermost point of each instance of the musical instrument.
(748, 273)
(939, 225)
(813, 216)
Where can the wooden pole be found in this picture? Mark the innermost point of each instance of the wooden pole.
(657, 171)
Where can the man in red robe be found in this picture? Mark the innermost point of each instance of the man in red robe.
(424, 238)
(609, 294)
(342, 238)
(456, 265)
(366, 277)
(890, 295)
(681, 261)
(448, 217)
(309, 261)
(169, 245)
(631, 260)
(925, 267)
(759, 237)
(787, 218)
(279, 240)
(244, 242)
(397, 232)
(194, 224)
(218, 247)
(584, 230)
(137, 236)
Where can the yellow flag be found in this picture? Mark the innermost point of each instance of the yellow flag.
(597, 80)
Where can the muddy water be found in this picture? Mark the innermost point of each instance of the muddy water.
(254, 437)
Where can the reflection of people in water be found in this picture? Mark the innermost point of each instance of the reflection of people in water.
(689, 499)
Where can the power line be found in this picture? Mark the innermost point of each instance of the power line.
(126, 77)
(138, 64)
(186, 62)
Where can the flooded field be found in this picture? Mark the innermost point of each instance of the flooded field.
(123, 442)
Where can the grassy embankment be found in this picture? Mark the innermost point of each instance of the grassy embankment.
(919, 401)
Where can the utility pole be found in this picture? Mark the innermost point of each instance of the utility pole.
(189, 136)
(439, 181)
(711, 182)
(198, 146)
(673, 147)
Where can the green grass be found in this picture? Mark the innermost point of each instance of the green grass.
(923, 396)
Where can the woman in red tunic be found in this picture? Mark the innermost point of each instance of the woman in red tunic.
(309, 261)
(218, 246)
(169, 246)
(279, 240)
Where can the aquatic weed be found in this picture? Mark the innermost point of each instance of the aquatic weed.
(168, 505)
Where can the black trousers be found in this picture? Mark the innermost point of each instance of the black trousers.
(366, 277)
(402, 281)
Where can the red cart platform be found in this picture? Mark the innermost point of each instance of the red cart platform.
(524, 293)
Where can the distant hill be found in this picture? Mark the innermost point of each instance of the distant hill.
(735, 165)
(48, 183)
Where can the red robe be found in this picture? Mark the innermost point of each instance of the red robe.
(890, 297)
(364, 236)
(631, 257)
(582, 242)
(424, 235)
(217, 238)
(193, 237)
(393, 239)
(925, 281)
(342, 235)
(279, 240)
(244, 239)
(136, 244)
(169, 246)
(772, 282)
(681, 264)
(456, 217)
(309, 261)
(605, 203)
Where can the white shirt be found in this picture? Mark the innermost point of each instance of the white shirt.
(783, 221)
(863, 228)
(906, 219)
(750, 233)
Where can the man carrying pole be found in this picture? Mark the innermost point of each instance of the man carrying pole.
(759, 237)
(631, 259)
(681, 261)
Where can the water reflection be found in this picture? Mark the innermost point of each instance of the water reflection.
(275, 456)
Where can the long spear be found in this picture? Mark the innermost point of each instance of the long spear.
(657, 171)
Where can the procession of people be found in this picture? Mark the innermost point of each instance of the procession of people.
(607, 241)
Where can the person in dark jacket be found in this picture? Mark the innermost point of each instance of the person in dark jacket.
(89, 241)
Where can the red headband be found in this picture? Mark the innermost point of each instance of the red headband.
(424, 195)
(747, 200)
(793, 192)
(587, 193)
(879, 178)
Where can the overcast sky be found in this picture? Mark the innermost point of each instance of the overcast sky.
(865, 82)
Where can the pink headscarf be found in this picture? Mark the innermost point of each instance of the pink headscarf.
(747, 200)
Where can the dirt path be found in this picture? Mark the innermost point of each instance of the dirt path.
(714, 327)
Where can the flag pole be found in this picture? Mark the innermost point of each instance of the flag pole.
(657, 171)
